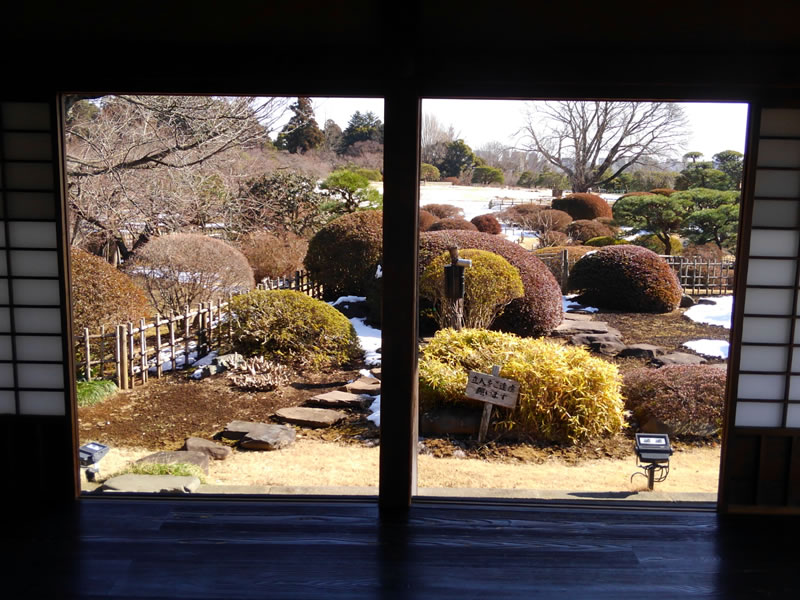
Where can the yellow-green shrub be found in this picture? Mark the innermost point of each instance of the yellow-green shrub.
(292, 328)
(565, 394)
(490, 283)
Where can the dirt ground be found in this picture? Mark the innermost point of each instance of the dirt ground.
(162, 414)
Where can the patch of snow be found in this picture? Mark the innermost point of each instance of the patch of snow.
(567, 303)
(198, 374)
(375, 411)
(718, 313)
(370, 341)
(345, 299)
(206, 360)
(366, 373)
(713, 348)
(378, 272)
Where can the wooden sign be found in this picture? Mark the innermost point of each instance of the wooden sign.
(492, 389)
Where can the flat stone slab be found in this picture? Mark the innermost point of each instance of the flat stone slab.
(151, 484)
(608, 348)
(214, 450)
(642, 351)
(376, 372)
(310, 417)
(588, 339)
(575, 316)
(569, 328)
(364, 385)
(236, 430)
(678, 358)
(167, 457)
(339, 400)
(268, 436)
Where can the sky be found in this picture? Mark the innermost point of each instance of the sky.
(713, 126)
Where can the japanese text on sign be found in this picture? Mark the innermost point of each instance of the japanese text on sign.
(492, 389)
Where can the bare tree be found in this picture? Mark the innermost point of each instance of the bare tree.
(434, 137)
(587, 139)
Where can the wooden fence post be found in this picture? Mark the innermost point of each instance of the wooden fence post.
(172, 318)
(123, 356)
(143, 349)
(186, 338)
(102, 351)
(88, 351)
(158, 347)
(131, 359)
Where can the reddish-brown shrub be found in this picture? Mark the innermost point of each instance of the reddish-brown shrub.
(710, 252)
(452, 223)
(344, 254)
(444, 211)
(453, 180)
(609, 222)
(583, 206)
(519, 214)
(538, 311)
(634, 194)
(626, 278)
(487, 224)
(663, 191)
(584, 229)
(187, 268)
(426, 219)
(678, 399)
(553, 238)
(549, 219)
(103, 295)
(273, 256)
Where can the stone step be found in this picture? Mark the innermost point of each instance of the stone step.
(339, 399)
(364, 385)
(376, 372)
(236, 430)
(167, 457)
(151, 484)
(310, 417)
(570, 328)
(268, 436)
(678, 358)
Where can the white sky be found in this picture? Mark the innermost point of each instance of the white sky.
(713, 127)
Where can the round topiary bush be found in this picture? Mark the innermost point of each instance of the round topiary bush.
(490, 283)
(627, 278)
(487, 224)
(549, 239)
(292, 328)
(584, 229)
(583, 206)
(565, 394)
(452, 223)
(443, 211)
(538, 311)
(426, 219)
(102, 295)
(272, 256)
(678, 399)
(345, 252)
(605, 240)
(651, 242)
(183, 269)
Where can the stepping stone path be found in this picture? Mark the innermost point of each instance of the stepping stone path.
(364, 385)
(212, 449)
(266, 436)
(310, 417)
(198, 459)
(340, 400)
(678, 358)
(642, 351)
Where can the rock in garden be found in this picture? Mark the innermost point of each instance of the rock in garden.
(268, 437)
(228, 361)
(340, 400)
(708, 301)
(376, 372)
(210, 370)
(454, 421)
(569, 328)
(686, 302)
(310, 417)
(573, 316)
(236, 430)
(678, 358)
(212, 449)
(587, 339)
(364, 385)
(642, 351)
(166, 457)
(607, 348)
(152, 484)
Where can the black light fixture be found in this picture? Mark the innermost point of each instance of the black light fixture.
(89, 455)
(652, 455)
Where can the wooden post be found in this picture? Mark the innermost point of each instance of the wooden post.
(143, 348)
(455, 305)
(131, 359)
(158, 347)
(172, 318)
(211, 323)
(123, 356)
(186, 338)
(564, 269)
(487, 413)
(117, 353)
(88, 351)
(102, 351)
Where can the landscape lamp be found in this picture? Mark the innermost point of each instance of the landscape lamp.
(652, 455)
(89, 455)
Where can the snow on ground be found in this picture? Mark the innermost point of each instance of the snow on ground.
(347, 299)
(718, 313)
(567, 303)
(370, 341)
(712, 348)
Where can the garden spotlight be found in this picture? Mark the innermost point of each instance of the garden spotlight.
(652, 455)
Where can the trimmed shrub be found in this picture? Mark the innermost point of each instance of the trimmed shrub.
(452, 180)
(583, 229)
(345, 252)
(486, 174)
(565, 394)
(538, 311)
(651, 242)
(552, 257)
(553, 238)
(663, 191)
(487, 224)
(426, 219)
(291, 328)
(626, 278)
(490, 283)
(583, 206)
(182, 269)
(444, 211)
(272, 256)
(452, 223)
(428, 172)
(370, 174)
(678, 399)
(103, 295)
(609, 222)
(605, 240)
(548, 219)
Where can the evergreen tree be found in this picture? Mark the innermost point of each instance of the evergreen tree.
(362, 127)
(301, 133)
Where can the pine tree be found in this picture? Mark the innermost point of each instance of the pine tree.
(301, 133)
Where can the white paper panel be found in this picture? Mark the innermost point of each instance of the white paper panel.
(780, 121)
(27, 146)
(29, 176)
(30, 205)
(776, 213)
(762, 387)
(41, 403)
(27, 234)
(768, 302)
(779, 153)
(38, 320)
(795, 361)
(7, 404)
(26, 115)
(5, 348)
(6, 375)
(40, 376)
(3, 264)
(3, 291)
(771, 272)
(763, 358)
(5, 320)
(2, 233)
(763, 243)
(794, 388)
(36, 291)
(793, 416)
(759, 414)
(39, 347)
(757, 330)
(777, 184)
(34, 263)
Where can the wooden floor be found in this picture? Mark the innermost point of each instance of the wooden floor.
(233, 550)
